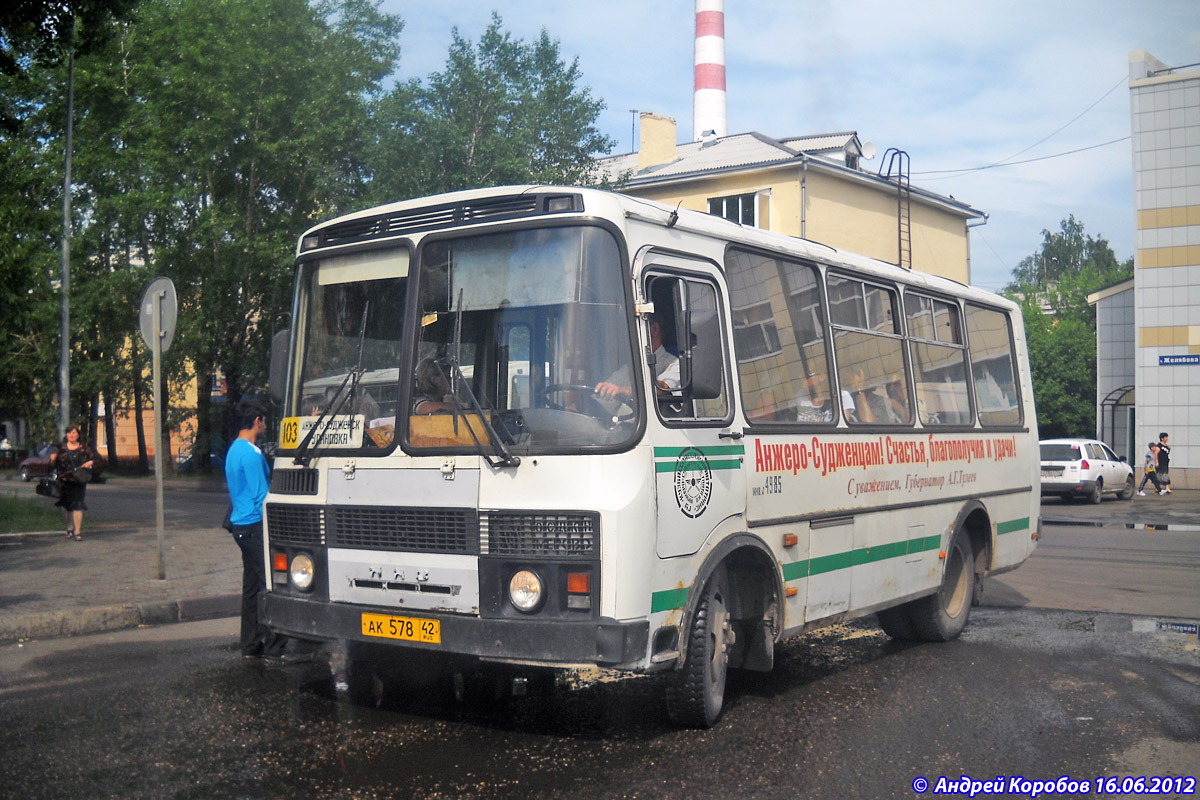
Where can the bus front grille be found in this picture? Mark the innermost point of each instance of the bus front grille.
(425, 530)
(294, 481)
(537, 533)
(302, 526)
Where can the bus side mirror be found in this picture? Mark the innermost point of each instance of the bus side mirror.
(704, 355)
(279, 360)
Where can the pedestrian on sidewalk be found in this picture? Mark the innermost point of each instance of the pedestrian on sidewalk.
(73, 463)
(1164, 462)
(1149, 467)
(247, 478)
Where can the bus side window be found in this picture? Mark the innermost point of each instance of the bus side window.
(779, 339)
(869, 351)
(939, 360)
(989, 339)
(687, 313)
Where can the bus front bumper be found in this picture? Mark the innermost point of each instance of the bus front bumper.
(602, 642)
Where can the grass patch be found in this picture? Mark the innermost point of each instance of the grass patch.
(18, 514)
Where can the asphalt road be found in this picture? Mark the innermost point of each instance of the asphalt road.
(1125, 570)
(172, 712)
(1045, 682)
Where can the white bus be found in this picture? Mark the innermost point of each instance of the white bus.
(835, 437)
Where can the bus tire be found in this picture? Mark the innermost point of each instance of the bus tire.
(942, 616)
(897, 623)
(696, 691)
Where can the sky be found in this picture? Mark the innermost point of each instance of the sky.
(958, 85)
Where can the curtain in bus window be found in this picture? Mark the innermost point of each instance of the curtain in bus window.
(779, 338)
(939, 364)
(869, 353)
(992, 370)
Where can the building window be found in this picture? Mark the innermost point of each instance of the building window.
(755, 332)
(735, 208)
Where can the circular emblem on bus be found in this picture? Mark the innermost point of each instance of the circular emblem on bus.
(693, 482)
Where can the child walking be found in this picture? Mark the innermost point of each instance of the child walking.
(1149, 465)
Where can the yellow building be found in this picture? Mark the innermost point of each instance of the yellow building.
(812, 187)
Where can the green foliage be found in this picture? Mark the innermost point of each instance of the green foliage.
(502, 112)
(1062, 358)
(1060, 325)
(208, 135)
(43, 31)
(29, 228)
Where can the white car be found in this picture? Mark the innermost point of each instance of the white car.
(1084, 468)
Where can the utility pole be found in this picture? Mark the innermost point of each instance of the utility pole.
(64, 364)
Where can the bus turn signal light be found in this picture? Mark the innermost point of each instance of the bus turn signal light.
(790, 540)
(579, 591)
(279, 562)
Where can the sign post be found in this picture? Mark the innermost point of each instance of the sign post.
(156, 319)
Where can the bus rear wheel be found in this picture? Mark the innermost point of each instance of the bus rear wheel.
(942, 616)
(696, 691)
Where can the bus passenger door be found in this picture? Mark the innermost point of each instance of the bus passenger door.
(698, 459)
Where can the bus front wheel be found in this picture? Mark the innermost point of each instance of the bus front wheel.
(942, 616)
(696, 691)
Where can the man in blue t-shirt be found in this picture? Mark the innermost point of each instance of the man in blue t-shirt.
(247, 478)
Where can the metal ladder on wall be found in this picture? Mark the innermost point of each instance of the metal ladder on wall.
(895, 161)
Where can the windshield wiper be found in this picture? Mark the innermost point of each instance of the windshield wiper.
(506, 459)
(331, 410)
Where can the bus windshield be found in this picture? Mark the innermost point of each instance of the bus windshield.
(516, 330)
(349, 316)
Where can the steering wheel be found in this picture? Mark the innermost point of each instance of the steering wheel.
(588, 402)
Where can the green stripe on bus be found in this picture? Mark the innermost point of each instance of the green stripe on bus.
(715, 450)
(668, 600)
(822, 565)
(853, 558)
(1012, 526)
(694, 466)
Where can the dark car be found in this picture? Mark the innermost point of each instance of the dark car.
(38, 464)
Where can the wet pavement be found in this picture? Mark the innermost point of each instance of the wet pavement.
(51, 586)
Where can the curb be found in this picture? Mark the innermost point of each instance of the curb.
(101, 619)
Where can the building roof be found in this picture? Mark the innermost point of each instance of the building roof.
(832, 152)
(735, 150)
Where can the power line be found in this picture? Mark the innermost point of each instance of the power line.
(1025, 161)
(1007, 161)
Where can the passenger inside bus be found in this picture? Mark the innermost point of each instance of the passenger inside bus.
(619, 385)
(432, 384)
(816, 406)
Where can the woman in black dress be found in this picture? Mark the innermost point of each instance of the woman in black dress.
(73, 464)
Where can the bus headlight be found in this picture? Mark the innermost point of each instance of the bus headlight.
(301, 571)
(525, 591)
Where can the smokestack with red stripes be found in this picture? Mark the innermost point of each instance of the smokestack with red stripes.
(708, 102)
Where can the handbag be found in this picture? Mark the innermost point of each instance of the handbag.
(227, 523)
(1164, 479)
(49, 487)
